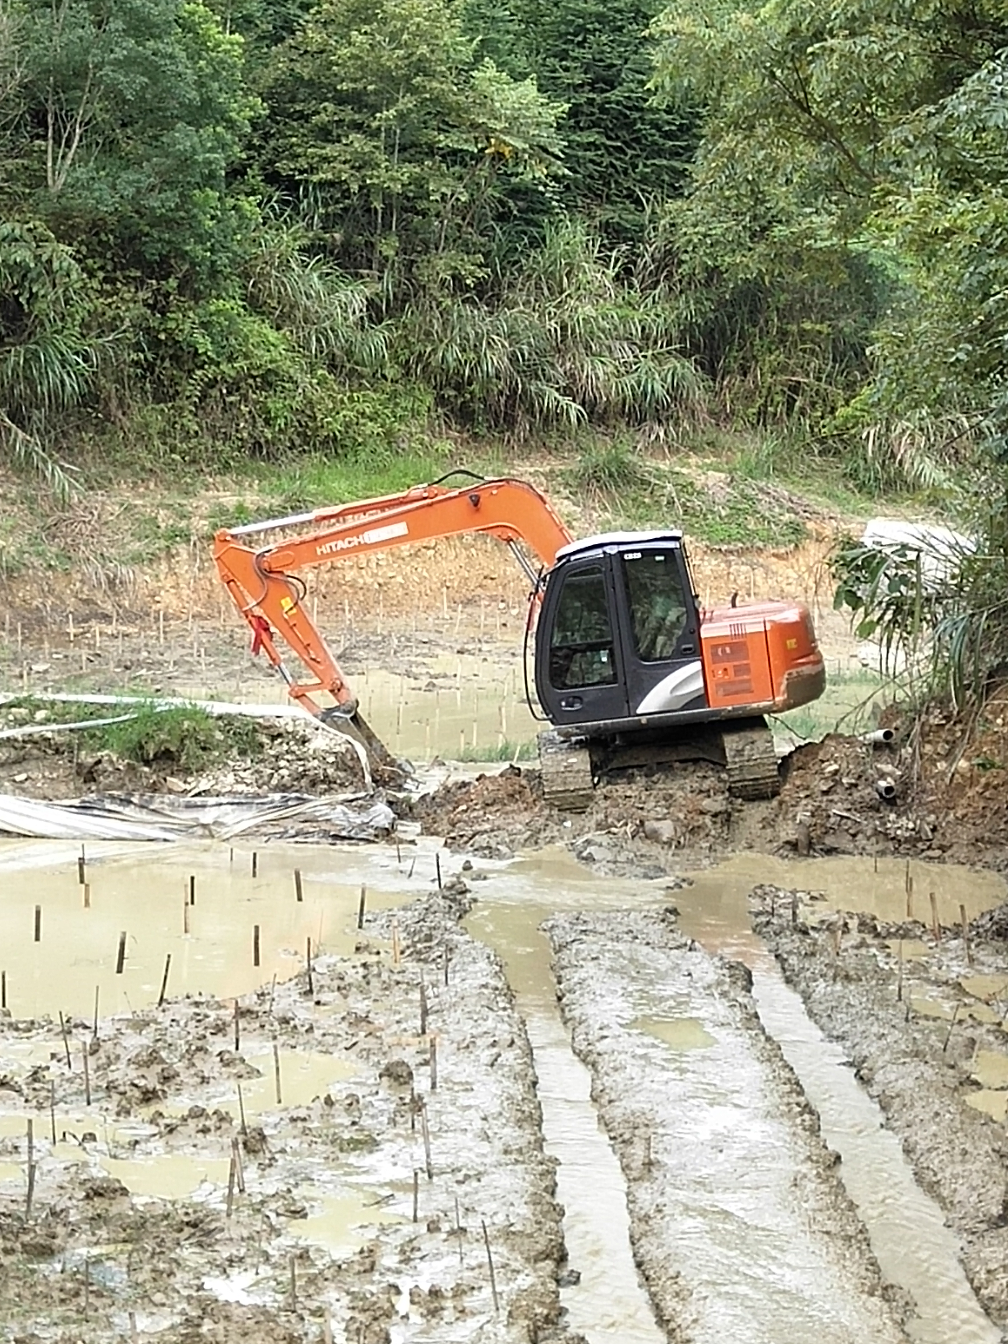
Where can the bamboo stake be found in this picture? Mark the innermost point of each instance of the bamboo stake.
(426, 1140)
(423, 1008)
(437, 868)
(416, 1193)
(86, 892)
(164, 979)
(458, 1229)
(255, 944)
(255, 863)
(899, 975)
(298, 888)
(66, 1039)
(360, 908)
(52, 1109)
(231, 1186)
(276, 1071)
(965, 931)
(241, 1112)
(935, 926)
(237, 1029)
(490, 1264)
(95, 1030)
(31, 1168)
(38, 923)
(87, 1073)
(3, 989)
(121, 955)
(311, 982)
(433, 1063)
(293, 1272)
(239, 1165)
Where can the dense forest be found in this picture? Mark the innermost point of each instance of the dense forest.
(249, 228)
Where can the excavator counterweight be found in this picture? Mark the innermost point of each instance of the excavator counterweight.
(628, 667)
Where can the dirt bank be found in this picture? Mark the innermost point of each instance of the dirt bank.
(649, 824)
(925, 1029)
(739, 1222)
(130, 1221)
(181, 754)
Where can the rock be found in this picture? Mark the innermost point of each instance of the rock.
(661, 832)
(568, 1278)
(254, 1141)
(104, 1187)
(397, 1072)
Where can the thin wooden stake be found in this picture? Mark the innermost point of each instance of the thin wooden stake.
(121, 955)
(433, 1063)
(255, 863)
(87, 1285)
(423, 1008)
(66, 1039)
(948, 1034)
(360, 908)
(52, 1109)
(935, 926)
(87, 1073)
(31, 1189)
(311, 982)
(164, 979)
(86, 892)
(326, 1328)
(458, 1229)
(899, 975)
(192, 888)
(38, 923)
(493, 1278)
(255, 944)
(293, 1269)
(276, 1071)
(231, 1186)
(3, 989)
(395, 942)
(298, 888)
(437, 867)
(81, 871)
(426, 1140)
(237, 1028)
(794, 908)
(185, 915)
(94, 1032)
(239, 1165)
(965, 929)
(416, 1193)
(241, 1112)
(908, 882)
(411, 867)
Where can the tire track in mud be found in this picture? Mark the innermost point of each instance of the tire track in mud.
(915, 1067)
(740, 1224)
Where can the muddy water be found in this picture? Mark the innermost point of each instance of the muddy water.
(608, 1305)
(464, 705)
(875, 1172)
(714, 910)
(141, 891)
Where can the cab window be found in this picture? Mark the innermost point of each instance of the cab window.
(658, 609)
(581, 641)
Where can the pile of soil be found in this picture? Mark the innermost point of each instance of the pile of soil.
(927, 1036)
(91, 1257)
(255, 756)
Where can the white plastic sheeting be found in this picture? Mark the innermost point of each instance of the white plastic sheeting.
(164, 817)
(941, 550)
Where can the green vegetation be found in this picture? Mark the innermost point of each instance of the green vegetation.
(502, 751)
(851, 703)
(310, 243)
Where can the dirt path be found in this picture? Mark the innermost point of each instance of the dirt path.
(924, 1028)
(129, 1227)
(739, 1222)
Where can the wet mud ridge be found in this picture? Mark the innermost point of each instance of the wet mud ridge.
(924, 1022)
(189, 1201)
(740, 1225)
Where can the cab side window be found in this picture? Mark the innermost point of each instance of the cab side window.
(581, 641)
(658, 608)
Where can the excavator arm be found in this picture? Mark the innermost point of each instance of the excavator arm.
(266, 589)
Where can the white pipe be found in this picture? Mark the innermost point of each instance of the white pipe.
(885, 789)
(880, 737)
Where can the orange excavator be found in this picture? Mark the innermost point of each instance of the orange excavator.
(629, 669)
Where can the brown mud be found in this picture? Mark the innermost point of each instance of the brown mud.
(924, 1023)
(132, 1229)
(728, 1179)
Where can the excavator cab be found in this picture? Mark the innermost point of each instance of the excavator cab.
(619, 631)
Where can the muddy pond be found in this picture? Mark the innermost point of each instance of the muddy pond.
(738, 1259)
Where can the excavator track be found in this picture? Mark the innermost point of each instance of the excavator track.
(751, 760)
(567, 779)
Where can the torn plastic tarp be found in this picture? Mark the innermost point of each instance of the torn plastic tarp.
(164, 817)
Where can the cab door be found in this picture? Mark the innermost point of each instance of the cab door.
(579, 668)
(657, 607)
